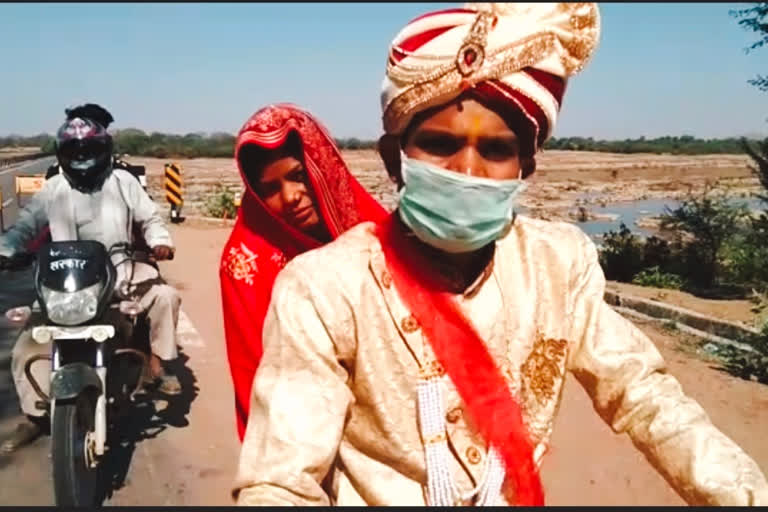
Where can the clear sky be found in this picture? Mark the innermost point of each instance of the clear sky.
(661, 69)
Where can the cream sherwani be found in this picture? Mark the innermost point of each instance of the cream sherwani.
(334, 418)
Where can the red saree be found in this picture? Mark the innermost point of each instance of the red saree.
(261, 243)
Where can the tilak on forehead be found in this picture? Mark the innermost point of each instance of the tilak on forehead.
(517, 56)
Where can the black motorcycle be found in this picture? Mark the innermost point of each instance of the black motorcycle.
(99, 354)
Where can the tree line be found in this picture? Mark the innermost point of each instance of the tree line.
(132, 141)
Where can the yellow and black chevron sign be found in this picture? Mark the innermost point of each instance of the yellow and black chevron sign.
(173, 184)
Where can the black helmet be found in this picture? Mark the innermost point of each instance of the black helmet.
(83, 146)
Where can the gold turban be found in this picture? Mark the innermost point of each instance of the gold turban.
(518, 53)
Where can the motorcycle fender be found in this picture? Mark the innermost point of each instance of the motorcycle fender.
(72, 379)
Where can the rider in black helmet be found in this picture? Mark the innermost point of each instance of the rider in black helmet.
(92, 199)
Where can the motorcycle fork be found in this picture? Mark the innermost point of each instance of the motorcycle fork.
(100, 411)
(55, 363)
(100, 421)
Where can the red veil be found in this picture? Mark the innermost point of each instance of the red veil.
(261, 242)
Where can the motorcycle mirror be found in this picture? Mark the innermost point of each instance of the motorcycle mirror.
(130, 308)
(18, 315)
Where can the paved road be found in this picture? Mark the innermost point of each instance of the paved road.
(8, 185)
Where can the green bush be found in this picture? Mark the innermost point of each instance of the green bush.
(749, 365)
(621, 256)
(708, 222)
(657, 253)
(221, 203)
(746, 365)
(745, 261)
(655, 278)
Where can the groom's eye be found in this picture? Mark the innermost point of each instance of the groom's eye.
(438, 144)
(498, 148)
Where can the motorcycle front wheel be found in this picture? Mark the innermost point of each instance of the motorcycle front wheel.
(74, 480)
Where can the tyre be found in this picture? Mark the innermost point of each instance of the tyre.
(74, 481)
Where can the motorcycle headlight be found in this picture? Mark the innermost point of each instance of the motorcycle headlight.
(72, 308)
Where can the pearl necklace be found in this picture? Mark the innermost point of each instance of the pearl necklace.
(442, 490)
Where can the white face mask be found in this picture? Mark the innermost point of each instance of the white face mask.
(455, 212)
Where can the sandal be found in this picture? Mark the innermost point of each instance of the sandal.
(25, 433)
(170, 385)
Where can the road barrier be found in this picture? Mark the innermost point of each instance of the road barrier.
(25, 185)
(738, 335)
(174, 190)
(6, 162)
(29, 184)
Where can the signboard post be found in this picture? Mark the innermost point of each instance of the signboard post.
(2, 207)
(173, 191)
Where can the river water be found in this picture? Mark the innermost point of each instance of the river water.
(629, 212)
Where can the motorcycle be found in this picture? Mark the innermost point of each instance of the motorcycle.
(99, 355)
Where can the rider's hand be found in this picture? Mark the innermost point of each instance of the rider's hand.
(18, 261)
(162, 252)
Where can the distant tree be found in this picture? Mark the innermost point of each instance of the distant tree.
(755, 19)
(49, 147)
(760, 157)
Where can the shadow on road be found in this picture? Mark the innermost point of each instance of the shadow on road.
(9, 404)
(16, 289)
(744, 371)
(151, 414)
(751, 366)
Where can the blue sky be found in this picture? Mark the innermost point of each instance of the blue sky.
(661, 69)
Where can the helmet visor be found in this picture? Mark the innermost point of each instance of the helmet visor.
(81, 139)
(75, 150)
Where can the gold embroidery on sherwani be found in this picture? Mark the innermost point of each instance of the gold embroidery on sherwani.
(543, 369)
(241, 264)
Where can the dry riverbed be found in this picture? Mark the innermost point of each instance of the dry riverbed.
(564, 180)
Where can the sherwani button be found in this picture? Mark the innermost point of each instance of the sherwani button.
(473, 455)
(454, 415)
(409, 324)
(386, 279)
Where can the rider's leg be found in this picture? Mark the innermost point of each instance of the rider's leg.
(23, 350)
(162, 303)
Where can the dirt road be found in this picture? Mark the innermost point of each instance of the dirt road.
(191, 461)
